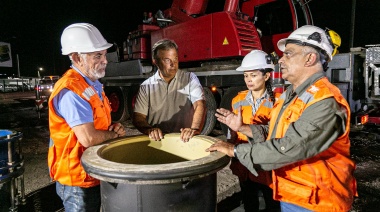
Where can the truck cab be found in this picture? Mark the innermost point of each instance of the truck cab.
(45, 85)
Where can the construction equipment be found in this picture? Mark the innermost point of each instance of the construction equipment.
(357, 75)
(211, 44)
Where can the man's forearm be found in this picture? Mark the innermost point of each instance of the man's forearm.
(140, 122)
(199, 115)
(259, 133)
(255, 133)
(104, 135)
(88, 136)
(246, 130)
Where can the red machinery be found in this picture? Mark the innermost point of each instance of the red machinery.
(212, 39)
(233, 32)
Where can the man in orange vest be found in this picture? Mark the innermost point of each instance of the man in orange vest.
(306, 143)
(79, 117)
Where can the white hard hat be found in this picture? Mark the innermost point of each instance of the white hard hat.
(309, 35)
(82, 37)
(255, 60)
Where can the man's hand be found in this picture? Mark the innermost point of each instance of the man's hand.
(118, 129)
(155, 134)
(224, 147)
(234, 122)
(187, 133)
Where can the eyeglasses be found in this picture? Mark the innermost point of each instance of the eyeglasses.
(169, 61)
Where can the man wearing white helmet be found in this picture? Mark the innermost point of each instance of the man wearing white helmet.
(306, 143)
(255, 105)
(79, 117)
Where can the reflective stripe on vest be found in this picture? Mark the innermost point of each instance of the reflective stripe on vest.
(88, 92)
(260, 117)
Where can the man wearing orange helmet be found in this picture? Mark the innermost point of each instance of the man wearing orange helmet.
(306, 143)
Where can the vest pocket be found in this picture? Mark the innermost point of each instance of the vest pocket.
(294, 192)
(292, 114)
(99, 111)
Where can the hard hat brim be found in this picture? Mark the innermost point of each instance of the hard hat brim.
(281, 44)
(250, 68)
(94, 49)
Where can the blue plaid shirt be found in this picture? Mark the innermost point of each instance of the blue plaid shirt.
(255, 105)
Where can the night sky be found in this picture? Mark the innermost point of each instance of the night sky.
(34, 27)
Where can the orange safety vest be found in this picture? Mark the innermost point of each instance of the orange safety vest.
(65, 151)
(324, 182)
(261, 116)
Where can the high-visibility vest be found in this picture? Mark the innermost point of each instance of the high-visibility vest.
(65, 150)
(324, 182)
(261, 116)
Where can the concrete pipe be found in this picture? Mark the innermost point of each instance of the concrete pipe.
(139, 174)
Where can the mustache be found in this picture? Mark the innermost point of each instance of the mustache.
(102, 67)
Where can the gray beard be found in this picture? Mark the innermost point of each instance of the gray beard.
(97, 74)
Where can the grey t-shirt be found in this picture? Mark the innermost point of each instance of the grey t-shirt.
(169, 106)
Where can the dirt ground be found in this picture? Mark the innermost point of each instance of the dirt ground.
(18, 113)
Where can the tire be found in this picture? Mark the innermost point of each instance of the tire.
(226, 102)
(118, 99)
(131, 98)
(210, 118)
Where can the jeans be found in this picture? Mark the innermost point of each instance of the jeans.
(79, 199)
(288, 207)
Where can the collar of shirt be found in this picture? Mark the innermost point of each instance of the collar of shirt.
(256, 105)
(97, 85)
(157, 76)
(305, 85)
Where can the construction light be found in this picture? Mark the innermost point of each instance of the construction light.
(364, 119)
(213, 88)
